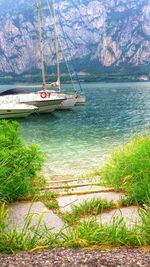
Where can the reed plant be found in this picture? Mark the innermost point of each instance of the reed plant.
(19, 163)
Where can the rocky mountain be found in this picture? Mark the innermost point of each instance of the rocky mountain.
(96, 34)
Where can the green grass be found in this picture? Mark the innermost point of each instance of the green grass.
(46, 195)
(127, 201)
(52, 204)
(19, 163)
(3, 216)
(88, 207)
(128, 170)
(48, 198)
(145, 228)
(90, 233)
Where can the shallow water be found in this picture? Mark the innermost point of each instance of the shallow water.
(77, 141)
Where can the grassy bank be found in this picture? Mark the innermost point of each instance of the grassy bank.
(128, 170)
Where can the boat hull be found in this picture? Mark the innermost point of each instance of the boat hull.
(67, 104)
(11, 115)
(69, 99)
(8, 111)
(45, 106)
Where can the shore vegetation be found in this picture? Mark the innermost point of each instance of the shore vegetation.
(20, 164)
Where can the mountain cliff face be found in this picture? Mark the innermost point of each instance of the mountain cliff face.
(110, 32)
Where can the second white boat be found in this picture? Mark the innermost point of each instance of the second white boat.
(15, 110)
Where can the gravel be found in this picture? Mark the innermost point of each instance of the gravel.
(79, 258)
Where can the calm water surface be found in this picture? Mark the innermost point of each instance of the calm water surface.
(77, 141)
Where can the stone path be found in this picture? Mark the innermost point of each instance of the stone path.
(87, 189)
(76, 192)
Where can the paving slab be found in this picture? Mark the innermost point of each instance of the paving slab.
(20, 210)
(66, 202)
(130, 215)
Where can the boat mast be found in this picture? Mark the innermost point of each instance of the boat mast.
(56, 44)
(41, 43)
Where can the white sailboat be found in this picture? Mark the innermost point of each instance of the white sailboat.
(45, 101)
(70, 99)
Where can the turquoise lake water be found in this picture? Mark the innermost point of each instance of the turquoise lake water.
(77, 141)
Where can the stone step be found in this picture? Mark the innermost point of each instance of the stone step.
(78, 190)
(72, 182)
(66, 186)
(76, 187)
(90, 190)
(67, 202)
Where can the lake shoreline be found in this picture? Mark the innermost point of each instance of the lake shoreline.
(14, 82)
